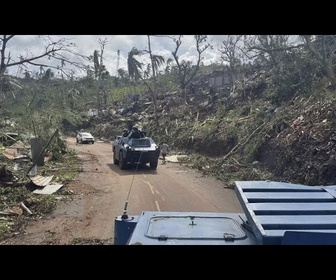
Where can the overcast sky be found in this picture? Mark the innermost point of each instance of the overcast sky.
(86, 44)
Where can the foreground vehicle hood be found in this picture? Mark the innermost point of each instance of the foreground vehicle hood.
(176, 228)
(275, 213)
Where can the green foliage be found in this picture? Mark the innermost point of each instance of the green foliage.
(230, 171)
(88, 241)
(44, 204)
(294, 73)
(250, 150)
(123, 93)
(208, 127)
(10, 196)
(4, 228)
(88, 82)
(167, 83)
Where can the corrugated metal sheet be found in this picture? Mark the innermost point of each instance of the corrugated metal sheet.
(41, 181)
(275, 208)
(49, 189)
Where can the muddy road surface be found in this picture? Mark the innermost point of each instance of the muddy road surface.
(101, 190)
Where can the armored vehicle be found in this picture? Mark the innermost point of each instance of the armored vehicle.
(134, 147)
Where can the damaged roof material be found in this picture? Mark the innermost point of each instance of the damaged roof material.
(44, 182)
(49, 189)
(41, 181)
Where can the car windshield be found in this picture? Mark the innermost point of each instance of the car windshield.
(140, 142)
(86, 135)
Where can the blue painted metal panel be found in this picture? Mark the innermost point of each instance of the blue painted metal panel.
(289, 196)
(261, 186)
(191, 228)
(298, 221)
(309, 238)
(273, 208)
(281, 232)
(283, 208)
(123, 228)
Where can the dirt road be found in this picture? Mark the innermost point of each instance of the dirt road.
(102, 189)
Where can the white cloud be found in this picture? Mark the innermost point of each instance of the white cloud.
(86, 44)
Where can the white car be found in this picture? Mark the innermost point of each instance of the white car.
(85, 137)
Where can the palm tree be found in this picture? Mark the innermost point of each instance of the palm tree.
(134, 66)
(168, 65)
(147, 71)
(158, 60)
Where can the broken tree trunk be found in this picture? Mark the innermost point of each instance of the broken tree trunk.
(240, 144)
(24, 207)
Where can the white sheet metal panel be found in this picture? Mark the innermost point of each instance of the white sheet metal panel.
(49, 189)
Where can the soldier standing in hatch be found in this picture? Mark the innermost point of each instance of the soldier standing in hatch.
(164, 151)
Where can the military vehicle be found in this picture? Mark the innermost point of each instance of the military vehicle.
(134, 148)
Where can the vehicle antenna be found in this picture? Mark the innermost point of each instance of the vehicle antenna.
(125, 215)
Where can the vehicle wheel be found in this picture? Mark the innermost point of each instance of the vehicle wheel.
(92, 142)
(77, 140)
(122, 163)
(115, 161)
(153, 164)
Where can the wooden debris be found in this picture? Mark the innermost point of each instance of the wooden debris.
(24, 207)
(14, 211)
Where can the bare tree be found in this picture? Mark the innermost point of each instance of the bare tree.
(100, 71)
(267, 49)
(96, 64)
(60, 50)
(186, 72)
(324, 49)
(231, 54)
(53, 51)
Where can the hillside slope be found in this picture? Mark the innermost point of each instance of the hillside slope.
(241, 137)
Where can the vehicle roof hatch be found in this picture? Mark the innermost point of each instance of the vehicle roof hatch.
(194, 227)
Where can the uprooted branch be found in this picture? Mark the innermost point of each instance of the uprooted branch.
(241, 144)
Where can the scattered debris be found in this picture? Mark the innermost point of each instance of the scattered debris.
(14, 211)
(175, 158)
(17, 150)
